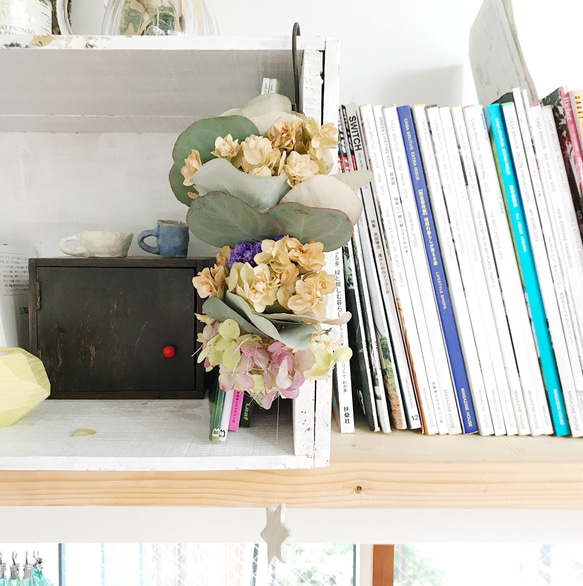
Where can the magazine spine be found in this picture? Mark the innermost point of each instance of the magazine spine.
(509, 277)
(572, 125)
(375, 266)
(435, 191)
(397, 243)
(389, 323)
(387, 183)
(546, 259)
(564, 209)
(474, 282)
(492, 282)
(421, 297)
(444, 329)
(555, 101)
(524, 248)
(360, 239)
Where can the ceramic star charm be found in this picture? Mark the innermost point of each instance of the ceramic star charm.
(275, 533)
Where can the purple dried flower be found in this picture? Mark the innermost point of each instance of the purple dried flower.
(246, 251)
(243, 252)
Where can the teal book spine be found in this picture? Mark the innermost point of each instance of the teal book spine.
(528, 269)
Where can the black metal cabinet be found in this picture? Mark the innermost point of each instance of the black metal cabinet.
(116, 328)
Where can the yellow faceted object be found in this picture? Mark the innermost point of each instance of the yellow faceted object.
(24, 384)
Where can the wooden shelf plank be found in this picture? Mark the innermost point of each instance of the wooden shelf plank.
(496, 485)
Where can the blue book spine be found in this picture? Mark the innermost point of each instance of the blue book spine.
(528, 269)
(441, 290)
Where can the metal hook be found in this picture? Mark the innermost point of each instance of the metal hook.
(14, 556)
(295, 33)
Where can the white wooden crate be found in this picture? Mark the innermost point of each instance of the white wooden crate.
(87, 126)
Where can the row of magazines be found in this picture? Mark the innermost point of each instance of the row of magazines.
(464, 274)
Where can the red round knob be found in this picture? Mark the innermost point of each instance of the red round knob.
(169, 351)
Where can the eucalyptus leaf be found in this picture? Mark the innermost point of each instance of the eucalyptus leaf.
(201, 136)
(217, 309)
(180, 190)
(260, 192)
(331, 227)
(307, 318)
(327, 191)
(296, 336)
(221, 219)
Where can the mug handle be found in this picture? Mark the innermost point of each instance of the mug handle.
(79, 251)
(144, 246)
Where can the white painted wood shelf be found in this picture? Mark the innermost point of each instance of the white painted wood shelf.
(144, 436)
(135, 84)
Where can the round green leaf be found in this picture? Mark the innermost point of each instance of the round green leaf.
(296, 336)
(217, 309)
(331, 227)
(221, 219)
(260, 192)
(201, 136)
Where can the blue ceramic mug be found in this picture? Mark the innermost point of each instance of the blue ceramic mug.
(171, 239)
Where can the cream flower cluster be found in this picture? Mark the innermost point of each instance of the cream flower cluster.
(283, 275)
(295, 148)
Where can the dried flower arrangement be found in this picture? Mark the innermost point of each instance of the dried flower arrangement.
(257, 185)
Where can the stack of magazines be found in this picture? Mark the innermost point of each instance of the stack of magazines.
(465, 272)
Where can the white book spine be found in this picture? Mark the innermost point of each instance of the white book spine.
(336, 306)
(559, 250)
(432, 149)
(476, 289)
(483, 411)
(422, 295)
(546, 260)
(382, 298)
(397, 240)
(394, 332)
(265, 85)
(566, 240)
(226, 415)
(373, 256)
(491, 274)
(510, 282)
(563, 214)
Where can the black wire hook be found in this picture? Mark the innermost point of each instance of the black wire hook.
(295, 34)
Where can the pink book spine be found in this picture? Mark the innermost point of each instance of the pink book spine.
(572, 122)
(236, 411)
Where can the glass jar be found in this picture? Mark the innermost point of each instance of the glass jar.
(158, 17)
(25, 17)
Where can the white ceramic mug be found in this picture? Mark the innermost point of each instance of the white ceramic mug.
(97, 244)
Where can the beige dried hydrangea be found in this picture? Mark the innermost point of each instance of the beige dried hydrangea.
(226, 148)
(310, 292)
(191, 165)
(285, 135)
(298, 168)
(259, 156)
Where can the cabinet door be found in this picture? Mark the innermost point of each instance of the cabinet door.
(101, 332)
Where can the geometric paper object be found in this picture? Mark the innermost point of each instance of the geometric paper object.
(275, 533)
(24, 384)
